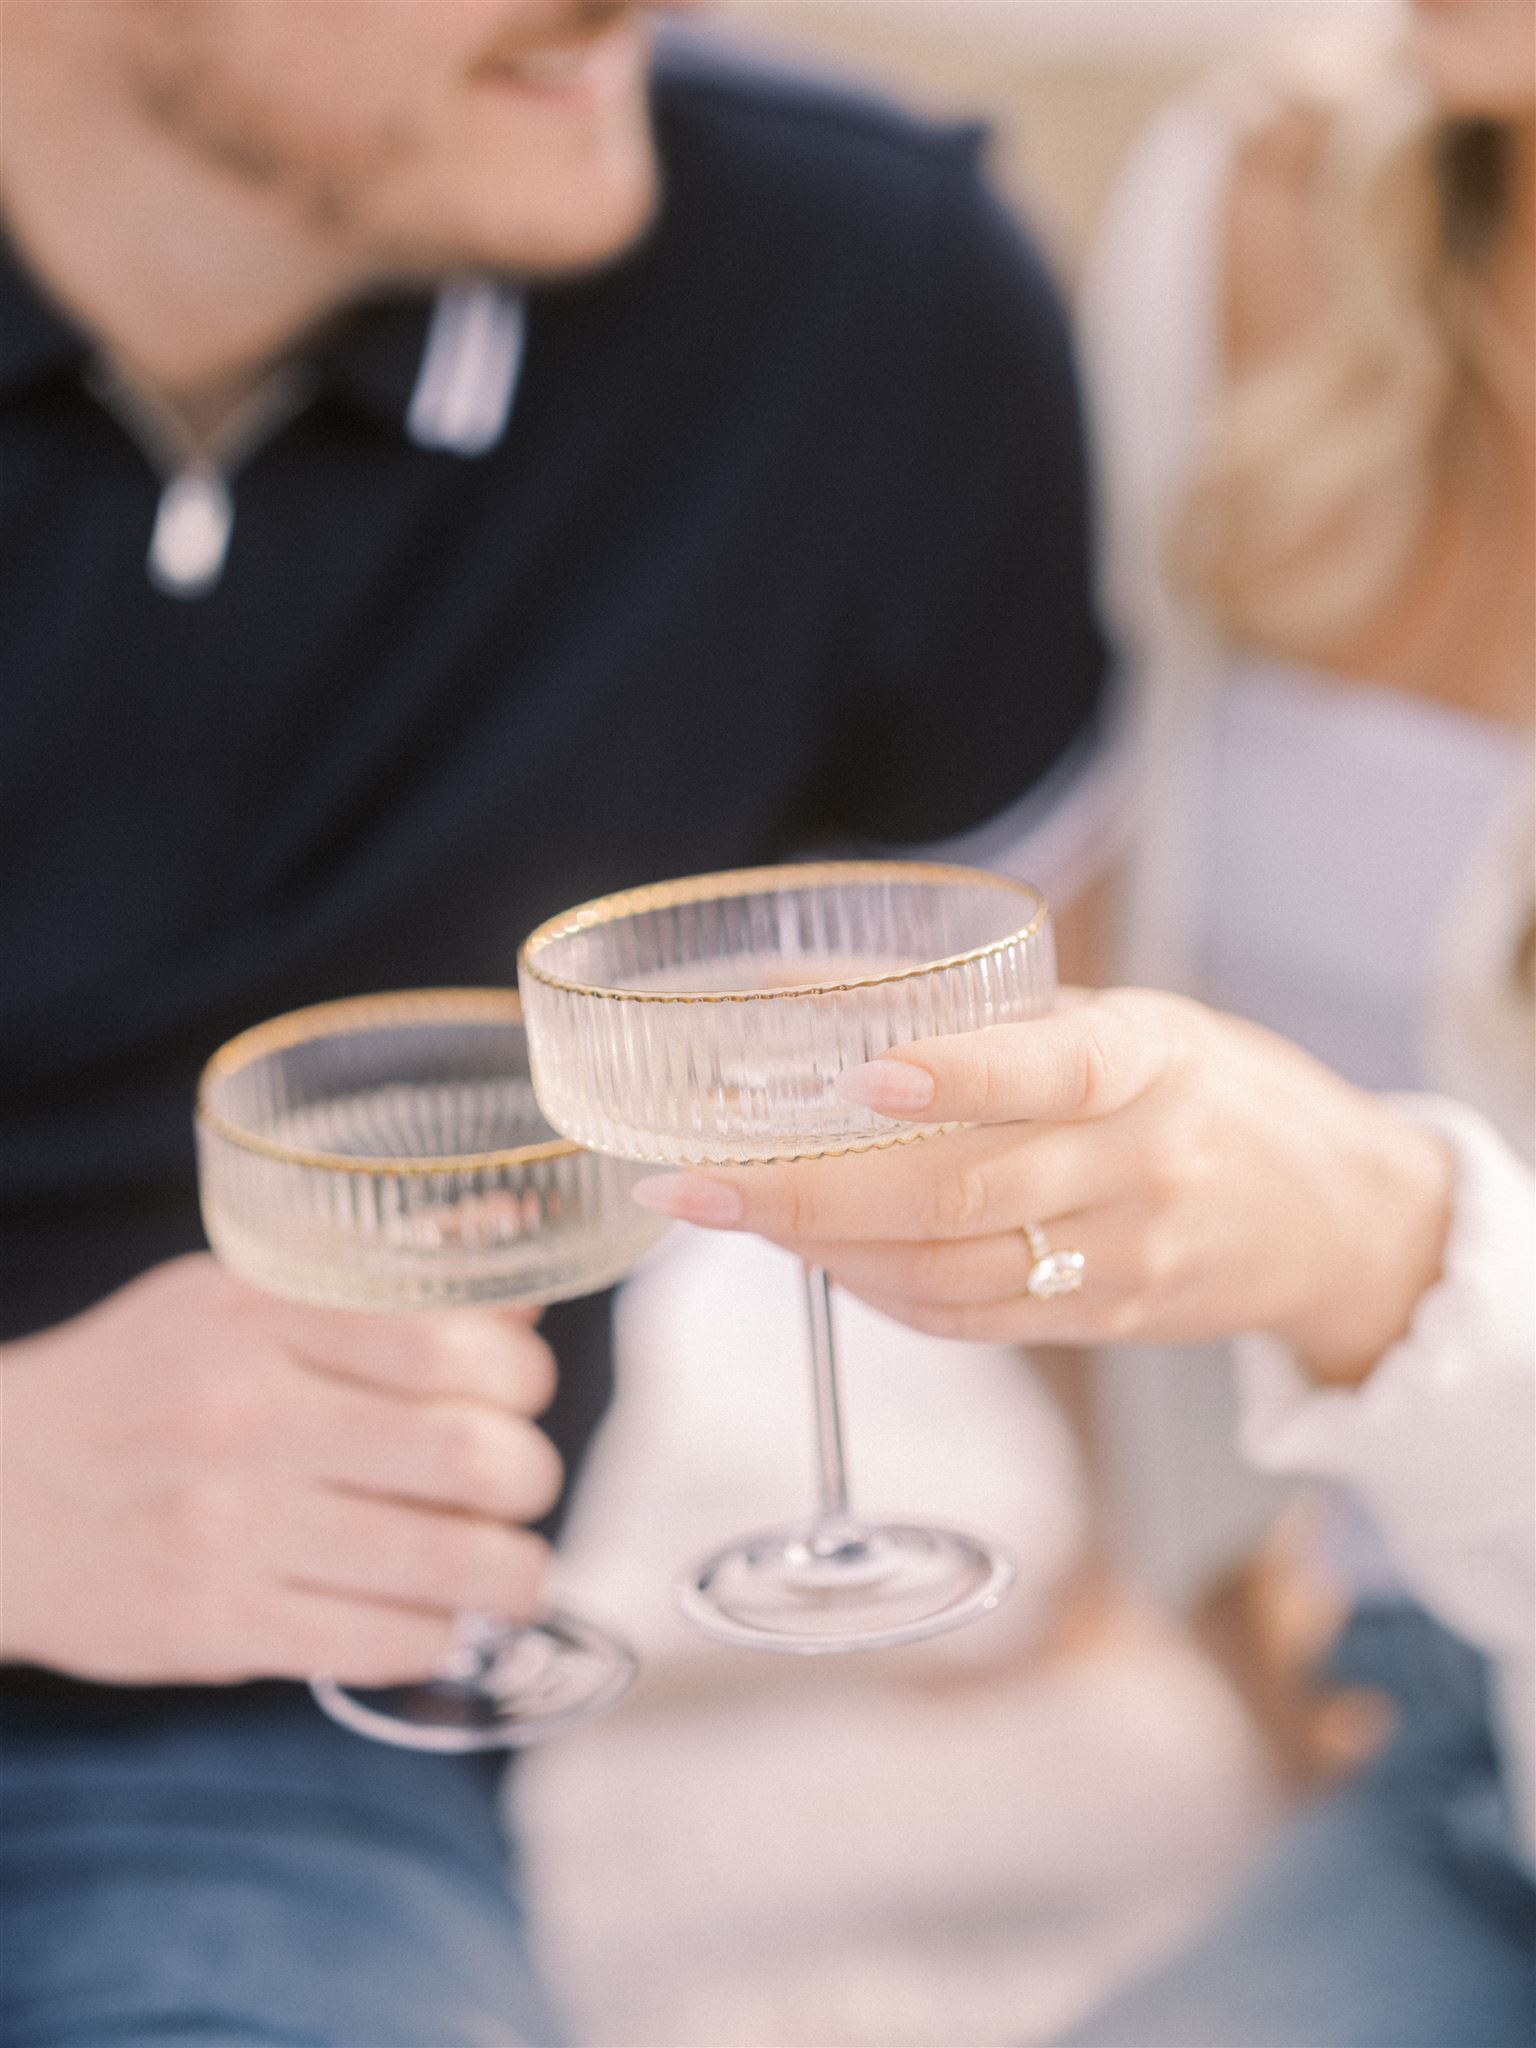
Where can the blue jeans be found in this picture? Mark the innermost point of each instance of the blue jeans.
(235, 1869)
(1392, 1915)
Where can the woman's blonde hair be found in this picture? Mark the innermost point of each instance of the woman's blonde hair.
(1320, 466)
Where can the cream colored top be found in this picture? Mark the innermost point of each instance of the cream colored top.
(1440, 1442)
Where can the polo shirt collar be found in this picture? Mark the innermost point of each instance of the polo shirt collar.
(444, 368)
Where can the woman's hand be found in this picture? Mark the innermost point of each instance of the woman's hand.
(1215, 1179)
(204, 1483)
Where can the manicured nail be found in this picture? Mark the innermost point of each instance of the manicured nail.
(690, 1198)
(894, 1087)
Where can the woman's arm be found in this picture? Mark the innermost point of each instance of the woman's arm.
(1218, 1181)
(1440, 1439)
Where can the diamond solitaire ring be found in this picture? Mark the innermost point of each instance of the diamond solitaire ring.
(1052, 1272)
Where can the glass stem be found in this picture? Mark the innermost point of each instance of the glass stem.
(831, 1477)
(478, 1639)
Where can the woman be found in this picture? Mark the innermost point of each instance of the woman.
(1311, 336)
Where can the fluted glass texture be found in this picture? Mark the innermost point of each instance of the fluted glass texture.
(388, 1153)
(706, 1021)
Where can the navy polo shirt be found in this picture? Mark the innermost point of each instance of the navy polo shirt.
(770, 537)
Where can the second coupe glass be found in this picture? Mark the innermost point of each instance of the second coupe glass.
(388, 1153)
(705, 1022)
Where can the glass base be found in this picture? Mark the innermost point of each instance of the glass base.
(817, 1586)
(527, 1684)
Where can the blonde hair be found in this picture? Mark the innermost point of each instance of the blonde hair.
(1320, 465)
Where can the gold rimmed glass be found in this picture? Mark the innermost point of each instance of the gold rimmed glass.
(388, 1153)
(705, 1022)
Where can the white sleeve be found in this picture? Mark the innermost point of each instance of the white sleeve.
(1148, 326)
(1440, 1441)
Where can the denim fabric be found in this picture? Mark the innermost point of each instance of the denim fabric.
(242, 1871)
(1392, 1915)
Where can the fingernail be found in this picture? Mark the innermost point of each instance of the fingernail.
(690, 1198)
(894, 1087)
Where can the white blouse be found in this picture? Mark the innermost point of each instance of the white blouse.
(1347, 865)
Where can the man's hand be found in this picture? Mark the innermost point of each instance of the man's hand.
(204, 1483)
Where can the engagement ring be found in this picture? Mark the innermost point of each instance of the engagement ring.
(1053, 1272)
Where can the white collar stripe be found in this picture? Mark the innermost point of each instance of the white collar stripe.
(469, 368)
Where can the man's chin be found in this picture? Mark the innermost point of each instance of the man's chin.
(593, 242)
(593, 224)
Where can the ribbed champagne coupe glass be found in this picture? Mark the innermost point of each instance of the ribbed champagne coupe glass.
(388, 1153)
(705, 1022)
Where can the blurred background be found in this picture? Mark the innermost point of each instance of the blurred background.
(1063, 85)
(967, 1842)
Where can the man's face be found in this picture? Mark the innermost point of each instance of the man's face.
(426, 135)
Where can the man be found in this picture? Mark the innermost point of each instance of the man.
(445, 474)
